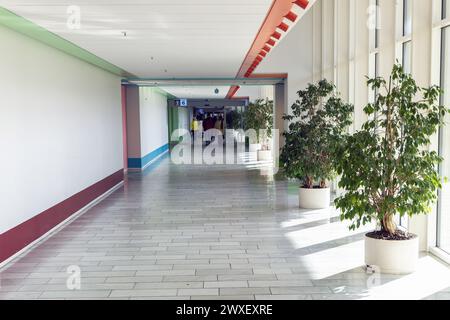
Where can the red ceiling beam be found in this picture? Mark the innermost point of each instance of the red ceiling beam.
(232, 92)
(266, 48)
(276, 35)
(271, 42)
(269, 75)
(302, 3)
(283, 26)
(291, 16)
(271, 29)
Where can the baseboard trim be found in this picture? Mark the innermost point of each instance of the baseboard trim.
(440, 254)
(149, 163)
(139, 164)
(26, 235)
(155, 159)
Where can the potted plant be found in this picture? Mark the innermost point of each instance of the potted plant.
(264, 116)
(317, 127)
(236, 123)
(259, 117)
(387, 169)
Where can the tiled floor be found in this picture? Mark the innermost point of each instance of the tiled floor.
(209, 232)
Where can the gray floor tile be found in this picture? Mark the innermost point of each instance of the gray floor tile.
(201, 232)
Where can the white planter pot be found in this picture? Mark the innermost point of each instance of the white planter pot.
(392, 256)
(254, 147)
(314, 198)
(264, 155)
(240, 138)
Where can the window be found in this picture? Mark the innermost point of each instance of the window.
(403, 53)
(405, 39)
(406, 56)
(443, 230)
(445, 9)
(374, 57)
(407, 18)
(377, 24)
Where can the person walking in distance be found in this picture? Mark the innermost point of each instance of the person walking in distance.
(208, 124)
(194, 126)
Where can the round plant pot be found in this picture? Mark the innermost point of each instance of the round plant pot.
(314, 198)
(240, 138)
(254, 147)
(392, 256)
(264, 155)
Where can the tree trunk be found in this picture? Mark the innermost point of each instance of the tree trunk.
(388, 224)
(308, 182)
(323, 184)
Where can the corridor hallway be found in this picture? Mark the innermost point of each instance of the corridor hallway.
(209, 232)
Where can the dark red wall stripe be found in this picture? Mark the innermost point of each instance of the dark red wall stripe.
(124, 127)
(14, 240)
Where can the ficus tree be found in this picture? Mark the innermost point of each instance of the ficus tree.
(259, 117)
(318, 126)
(236, 119)
(386, 167)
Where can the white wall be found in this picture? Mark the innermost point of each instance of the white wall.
(153, 119)
(60, 127)
(184, 119)
(256, 92)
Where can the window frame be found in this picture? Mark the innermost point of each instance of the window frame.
(402, 38)
(444, 29)
(374, 48)
(444, 5)
(439, 24)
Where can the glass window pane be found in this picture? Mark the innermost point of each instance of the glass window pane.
(406, 57)
(377, 28)
(407, 17)
(445, 9)
(444, 201)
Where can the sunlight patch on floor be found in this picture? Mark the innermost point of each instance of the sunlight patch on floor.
(309, 217)
(324, 233)
(326, 263)
(431, 277)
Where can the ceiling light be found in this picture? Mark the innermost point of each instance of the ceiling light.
(302, 3)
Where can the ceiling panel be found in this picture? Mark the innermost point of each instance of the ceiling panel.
(190, 38)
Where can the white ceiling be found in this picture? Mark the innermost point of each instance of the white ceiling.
(198, 92)
(186, 38)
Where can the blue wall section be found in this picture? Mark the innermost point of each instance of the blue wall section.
(139, 163)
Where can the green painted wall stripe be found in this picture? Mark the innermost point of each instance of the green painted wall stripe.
(32, 30)
(154, 89)
(164, 93)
